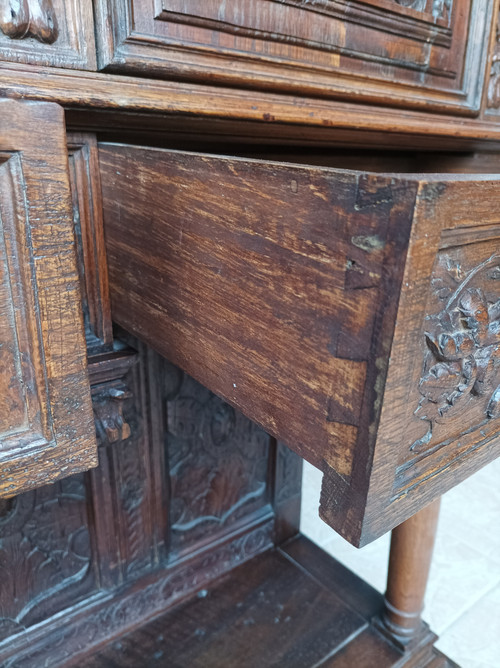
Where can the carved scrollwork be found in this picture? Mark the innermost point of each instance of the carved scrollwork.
(29, 18)
(462, 363)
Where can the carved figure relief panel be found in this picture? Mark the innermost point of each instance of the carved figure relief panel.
(47, 32)
(218, 462)
(409, 52)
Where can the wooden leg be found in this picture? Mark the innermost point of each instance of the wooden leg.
(412, 544)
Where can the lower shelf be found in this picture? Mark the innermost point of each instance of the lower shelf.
(294, 606)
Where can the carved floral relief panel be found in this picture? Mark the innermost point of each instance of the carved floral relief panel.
(459, 387)
(461, 370)
(218, 463)
(45, 554)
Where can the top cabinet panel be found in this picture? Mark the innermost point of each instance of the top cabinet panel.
(47, 32)
(423, 53)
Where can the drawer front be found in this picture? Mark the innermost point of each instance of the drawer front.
(417, 53)
(47, 32)
(352, 315)
(46, 423)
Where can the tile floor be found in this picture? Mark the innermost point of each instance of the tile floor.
(463, 597)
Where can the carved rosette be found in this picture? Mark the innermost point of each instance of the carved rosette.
(29, 18)
(461, 368)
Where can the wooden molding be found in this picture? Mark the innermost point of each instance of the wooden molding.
(376, 52)
(46, 425)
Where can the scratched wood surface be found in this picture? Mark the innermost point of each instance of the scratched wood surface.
(46, 422)
(278, 287)
(266, 614)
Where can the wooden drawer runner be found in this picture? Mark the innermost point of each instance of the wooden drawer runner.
(355, 316)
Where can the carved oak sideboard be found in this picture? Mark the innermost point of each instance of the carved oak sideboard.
(234, 236)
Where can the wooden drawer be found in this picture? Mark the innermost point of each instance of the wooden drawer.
(46, 424)
(355, 316)
(424, 53)
(47, 32)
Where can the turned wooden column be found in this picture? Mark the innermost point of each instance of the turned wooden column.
(410, 557)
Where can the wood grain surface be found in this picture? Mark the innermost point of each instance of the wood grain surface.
(281, 288)
(386, 53)
(46, 417)
(266, 614)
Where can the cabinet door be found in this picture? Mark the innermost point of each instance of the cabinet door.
(422, 53)
(46, 424)
(355, 316)
(47, 32)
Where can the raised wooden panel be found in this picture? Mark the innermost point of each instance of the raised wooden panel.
(46, 426)
(219, 465)
(47, 32)
(312, 300)
(423, 53)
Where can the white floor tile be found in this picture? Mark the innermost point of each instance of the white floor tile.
(474, 639)
(463, 595)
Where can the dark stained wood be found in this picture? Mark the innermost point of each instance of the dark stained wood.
(109, 613)
(304, 384)
(187, 488)
(281, 288)
(87, 215)
(269, 612)
(412, 544)
(143, 549)
(48, 32)
(380, 52)
(238, 623)
(31, 18)
(46, 424)
(46, 557)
